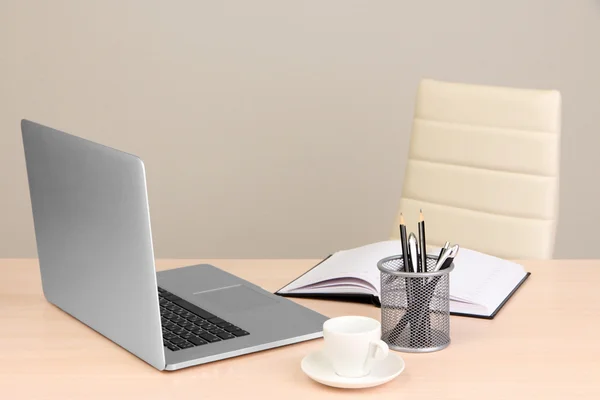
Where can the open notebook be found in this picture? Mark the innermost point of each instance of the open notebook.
(479, 284)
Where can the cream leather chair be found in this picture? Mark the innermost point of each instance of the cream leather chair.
(484, 167)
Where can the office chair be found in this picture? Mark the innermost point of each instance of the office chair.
(483, 165)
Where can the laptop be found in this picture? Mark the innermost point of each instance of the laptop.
(94, 243)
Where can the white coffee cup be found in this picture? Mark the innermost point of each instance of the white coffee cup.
(353, 345)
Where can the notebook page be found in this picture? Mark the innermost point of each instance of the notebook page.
(341, 282)
(469, 308)
(483, 279)
(336, 290)
(360, 262)
(492, 294)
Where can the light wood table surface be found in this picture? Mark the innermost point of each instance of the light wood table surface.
(544, 344)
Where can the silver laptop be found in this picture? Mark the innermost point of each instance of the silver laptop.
(92, 226)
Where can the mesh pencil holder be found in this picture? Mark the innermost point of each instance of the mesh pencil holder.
(415, 307)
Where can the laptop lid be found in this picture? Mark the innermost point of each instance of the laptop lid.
(92, 227)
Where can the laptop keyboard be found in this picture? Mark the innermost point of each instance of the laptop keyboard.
(185, 325)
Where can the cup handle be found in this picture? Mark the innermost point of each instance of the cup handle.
(379, 350)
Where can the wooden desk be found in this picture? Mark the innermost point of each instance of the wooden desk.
(544, 344)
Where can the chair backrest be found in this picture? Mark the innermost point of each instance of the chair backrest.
(484, 166)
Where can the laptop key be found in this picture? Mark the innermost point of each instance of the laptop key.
(168, 335)
(223, 324)
(239, 333)
(215, 320)
(231, 328)
(209, 338)
(170, 296)
(196, 340)
(225, 335)
(185, 345)
(177, 340)
(193, 309)
(195, 329)
(214, 330)
(172, 347)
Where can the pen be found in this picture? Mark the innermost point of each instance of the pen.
(422, 244)
(403, 241)
(443, 249)
(447, 263)
(413, 288)
(414, 253)
(448, 255)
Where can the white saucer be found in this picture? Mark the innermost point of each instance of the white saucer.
(318, 368)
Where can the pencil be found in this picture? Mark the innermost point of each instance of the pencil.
(404, 243)
(422, 244)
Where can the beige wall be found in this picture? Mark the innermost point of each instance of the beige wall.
(277, 128)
